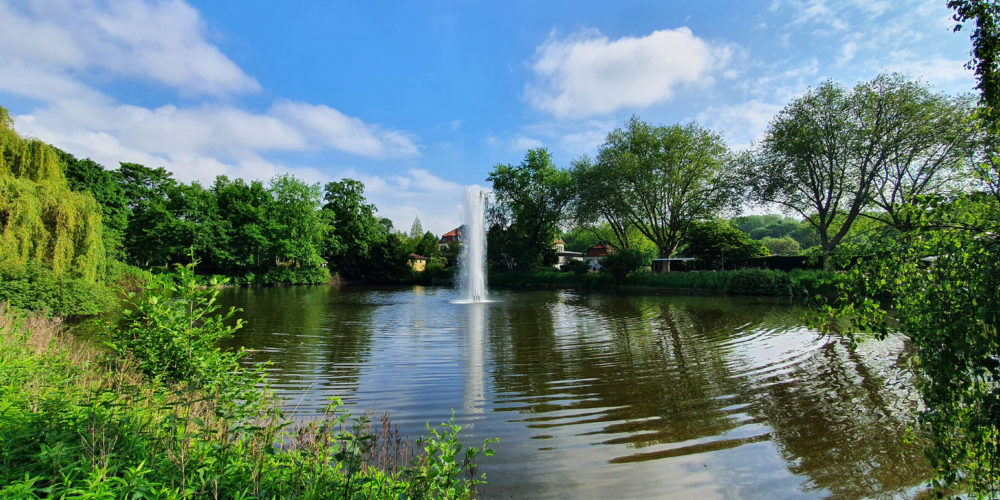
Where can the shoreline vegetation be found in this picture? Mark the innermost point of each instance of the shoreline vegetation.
(164, 413)
(799, 284)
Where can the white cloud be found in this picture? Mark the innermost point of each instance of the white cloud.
(588, 74)
(50, 50)
(741, 124)
(162, 42)
(327, 126)
(847, 52)
(523, 144)
(935, 69)
(417, 193)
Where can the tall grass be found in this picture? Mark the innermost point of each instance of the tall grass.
(798, 283)
(79, 422)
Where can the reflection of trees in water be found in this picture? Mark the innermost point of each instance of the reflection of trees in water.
(667, 370)
(651, 372)
(837, 423)
(316, 338)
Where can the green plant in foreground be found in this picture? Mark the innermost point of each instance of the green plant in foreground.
(172, 332)
(439, 471)
(144, 425)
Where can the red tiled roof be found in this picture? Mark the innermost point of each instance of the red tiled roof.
(600, 250)
(415, 256)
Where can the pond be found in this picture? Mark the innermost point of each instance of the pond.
(603, 395)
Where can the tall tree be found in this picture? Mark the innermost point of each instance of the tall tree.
(669, 178)
(294, 230)
(530, 201)
(832, 151)
(601, 202)
(87, 175)
(416, 230)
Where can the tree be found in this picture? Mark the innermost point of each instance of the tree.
(416, 230)
(243, 209)
(104, 186)
(294, 230)
(531, 201)
(716, 242)
(149, 237)
(671, 177)
(601, 202)
(360, 244)
(781, 246)
(832, 151)
(949, 309)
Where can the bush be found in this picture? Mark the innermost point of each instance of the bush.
(285, 276)
(622, 263)
(74, 427)
(172, 332)
(575, 267)
(125, 276)
(34, 287)
(781, 246)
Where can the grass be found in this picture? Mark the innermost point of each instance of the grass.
(76, 424)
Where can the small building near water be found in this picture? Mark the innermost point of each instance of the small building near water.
(594, 254)
(417, 262)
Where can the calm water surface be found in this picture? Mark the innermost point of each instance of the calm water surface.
(604, 396)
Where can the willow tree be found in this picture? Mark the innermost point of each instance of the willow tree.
(41, 219)
(667, 178)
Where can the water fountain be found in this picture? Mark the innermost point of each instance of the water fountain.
(472, 262)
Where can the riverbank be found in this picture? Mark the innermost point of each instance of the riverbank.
(796, 284)
(80, 421)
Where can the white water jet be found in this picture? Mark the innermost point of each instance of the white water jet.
(472, 262)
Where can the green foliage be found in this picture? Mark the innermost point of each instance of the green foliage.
(41, 219)
(88, 176)
(802, 284)
(530, 201)
(660, 180)
(781, 246)
(74, 427)
(36, 288)
(361, 245)
(172, 332)
(622, 263)
(575, 266)
(715, 242)
(833, 153)
(439, 472)
(948, 308)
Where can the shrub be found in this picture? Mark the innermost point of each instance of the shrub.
(622, 263)
(575, 267)
(781, 246)
(35, 287)
(172, 332)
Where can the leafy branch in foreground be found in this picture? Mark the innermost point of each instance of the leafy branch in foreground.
(939, 286)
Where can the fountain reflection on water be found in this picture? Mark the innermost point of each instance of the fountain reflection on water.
(472, 262)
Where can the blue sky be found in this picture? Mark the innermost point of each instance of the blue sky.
(418, 99)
